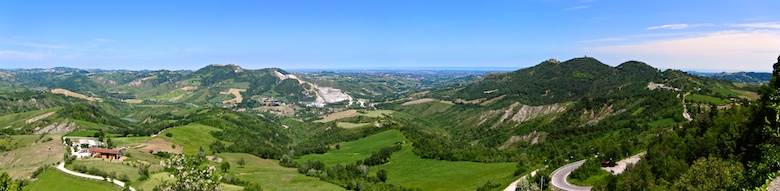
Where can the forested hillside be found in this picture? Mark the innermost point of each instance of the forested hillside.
(728, 149)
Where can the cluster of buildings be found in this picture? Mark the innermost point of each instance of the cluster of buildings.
(88, 148)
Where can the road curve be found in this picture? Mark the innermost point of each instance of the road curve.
(560, 174)
(63, 169)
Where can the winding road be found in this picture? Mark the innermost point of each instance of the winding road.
(62, 168)
(559, 177)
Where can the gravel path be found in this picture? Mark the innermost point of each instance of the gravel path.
(774, 185)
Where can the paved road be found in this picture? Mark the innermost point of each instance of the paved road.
(559, 177)
(63, 169)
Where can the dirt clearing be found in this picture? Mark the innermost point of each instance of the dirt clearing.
(236, 93)
(158, 144)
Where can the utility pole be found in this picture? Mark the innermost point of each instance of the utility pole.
(541, 184)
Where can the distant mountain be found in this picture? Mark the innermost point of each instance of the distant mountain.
(556, 82)
(216, 85)
(745, 77)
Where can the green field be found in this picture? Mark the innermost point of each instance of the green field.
(108, 167)
(154, 180)
(348, 125)
(662, 123)
(21, 118)
(725, 92)
(706, 99)
(409, 170)
(377, 113)
(17, 141)
(54, 179)
(268, 174)
(192, 137)
(353, 151)
(169, 95)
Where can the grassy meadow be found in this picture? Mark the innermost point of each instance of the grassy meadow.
(409, 170)
(53, 179)
(191, 137)
(268, 174)
(353, 151)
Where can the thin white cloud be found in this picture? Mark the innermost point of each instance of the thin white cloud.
(669, 26)
(577, 8)
(725, 50)
(765, 25)
(11, 54)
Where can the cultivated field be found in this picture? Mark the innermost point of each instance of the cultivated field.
(338, 115)
(133, 101)
(419, 101)
(74, 94)
(348, 125)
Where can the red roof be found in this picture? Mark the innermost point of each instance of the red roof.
(102, 150)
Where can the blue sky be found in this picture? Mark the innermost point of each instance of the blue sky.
(702, 35)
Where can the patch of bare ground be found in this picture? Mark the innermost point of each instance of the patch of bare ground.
(419, 101)
(74, 94)
(189, 88)
(531, 138)
(38, 118)
(157, 145)
(57, 128)
(474, 101)
(133, 101)
(593, 117)
(235, 92)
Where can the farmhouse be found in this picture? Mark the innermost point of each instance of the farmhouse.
(105, 153)
(86, 143)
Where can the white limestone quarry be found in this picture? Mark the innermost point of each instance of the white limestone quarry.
(324, 95)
